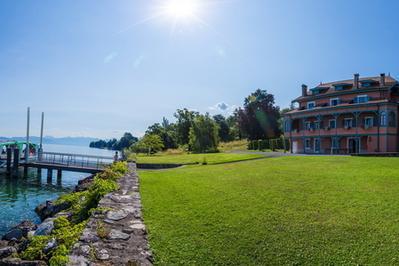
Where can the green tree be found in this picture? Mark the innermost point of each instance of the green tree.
(126, 141)
(259, 119)
(234, 129)
(183, 124)
(224, 129)
(113, 144)
(166, 131)
(203, 136)
(149, 144)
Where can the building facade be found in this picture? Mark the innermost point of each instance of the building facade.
(346, 117)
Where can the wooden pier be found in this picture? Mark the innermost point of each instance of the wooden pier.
(54, 161)
(16, 154)
(69, 162)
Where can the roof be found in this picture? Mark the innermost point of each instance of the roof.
(329, 86)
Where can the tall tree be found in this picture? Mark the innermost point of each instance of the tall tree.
(166, 132)
(259, 119)
(224, 129)
(234, 129)
(203, 134)
(183, 124)
(149, 144)
(126, 141)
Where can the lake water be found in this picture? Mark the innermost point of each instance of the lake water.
(19, 196)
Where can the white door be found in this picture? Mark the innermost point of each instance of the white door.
(295, 147)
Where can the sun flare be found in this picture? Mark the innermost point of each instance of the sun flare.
(181, 9)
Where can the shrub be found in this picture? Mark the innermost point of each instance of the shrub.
(35, 248)
(119, 167)
(203, 135)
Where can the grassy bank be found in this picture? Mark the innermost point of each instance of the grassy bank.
(184, 158)
(289, 210)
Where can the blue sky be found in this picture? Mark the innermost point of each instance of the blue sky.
(99, 68)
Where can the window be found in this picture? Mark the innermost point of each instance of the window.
(308, 125)
(334, 101)
(339, 88)
(307, 143)
(335, 143)
(392, 119)
(332, 123)
(311, 105)
(383, 119)
(316, 125)
(366, 84)
(362, 99)
(348, 122)
(317, 145)
(368, 121)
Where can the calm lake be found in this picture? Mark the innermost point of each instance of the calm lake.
(19, 196)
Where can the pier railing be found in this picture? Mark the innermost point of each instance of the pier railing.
(75, 160)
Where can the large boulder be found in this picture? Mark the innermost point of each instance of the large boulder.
(26, 226)
(84, 184)
(7, 251)
(45, 228)
(13, 234)
(49, 209)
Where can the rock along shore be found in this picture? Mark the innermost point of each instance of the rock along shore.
(116, 235)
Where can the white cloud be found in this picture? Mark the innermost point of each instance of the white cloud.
(110, 57)
(223, 108)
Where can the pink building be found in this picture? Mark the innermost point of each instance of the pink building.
(343, 117)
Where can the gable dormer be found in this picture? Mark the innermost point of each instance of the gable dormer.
(342, 86)
(319, 90)
(367, 83)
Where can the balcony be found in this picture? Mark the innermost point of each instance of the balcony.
(341, 103)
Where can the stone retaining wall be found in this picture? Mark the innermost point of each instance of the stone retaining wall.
(116, 234)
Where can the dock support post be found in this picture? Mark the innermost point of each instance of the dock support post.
(8, 163)
(25, 171)
(49, 175)
(16, 161)
(27, 149)
(59, 177)
(39, 172)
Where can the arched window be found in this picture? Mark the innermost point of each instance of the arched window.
(392, 119)
(383, 119)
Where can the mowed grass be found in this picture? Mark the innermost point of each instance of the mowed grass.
(209, 158)
(288, 210)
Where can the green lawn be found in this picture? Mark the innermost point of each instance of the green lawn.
(210, 158)
(291, 210)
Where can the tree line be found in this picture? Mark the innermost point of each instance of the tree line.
(126, 141)
(258, 118)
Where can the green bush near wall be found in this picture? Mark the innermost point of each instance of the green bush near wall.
(269, 144)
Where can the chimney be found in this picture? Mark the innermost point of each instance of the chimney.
(356, 81)
(382, 80)
(304, 90)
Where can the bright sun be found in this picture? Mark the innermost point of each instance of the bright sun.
(181, 9)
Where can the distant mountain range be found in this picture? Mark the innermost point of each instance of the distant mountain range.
(76, 141)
